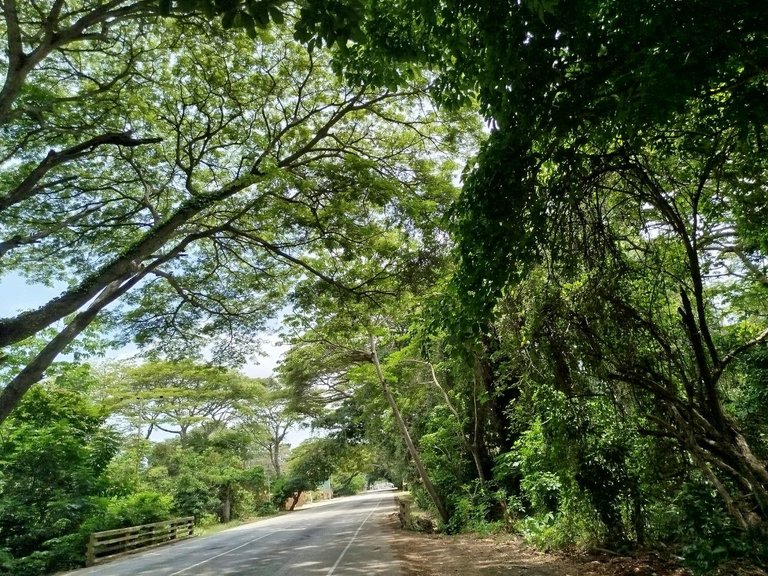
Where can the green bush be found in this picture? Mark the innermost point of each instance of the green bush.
(284, 487)
(244, 505)
(478, 508)
(193, 497)
(56, 449)
(207, 520)
(266, 509)
(140, 508)
(709, 536)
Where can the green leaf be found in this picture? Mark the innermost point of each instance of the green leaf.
(228, 20)
(276, 15)
(260, 14)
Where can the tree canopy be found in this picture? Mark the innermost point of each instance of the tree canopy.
(178, 182)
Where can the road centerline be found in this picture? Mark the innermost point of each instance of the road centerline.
(354, 536)
(220, 555)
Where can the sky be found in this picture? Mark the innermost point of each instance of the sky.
(16, 295)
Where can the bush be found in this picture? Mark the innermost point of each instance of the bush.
(244, 504)
(284, 488)
(708, 534)
(140, 508)
(193, 497)
(478, 508)
(266, 509)
(207, 520)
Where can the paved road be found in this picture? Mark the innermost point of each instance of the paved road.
(343, 537)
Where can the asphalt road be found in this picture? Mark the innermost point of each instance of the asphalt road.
(342, 537)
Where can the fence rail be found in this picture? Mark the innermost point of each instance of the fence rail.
(113, 543)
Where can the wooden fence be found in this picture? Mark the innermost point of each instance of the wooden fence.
(113, 543)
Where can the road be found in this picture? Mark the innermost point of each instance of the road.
(342, 537)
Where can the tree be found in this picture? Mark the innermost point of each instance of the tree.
(271, 419)
(345, 345)
(663, 293)
(175, 397)
(212, 475)
(55, 449)
(624, 167)
(586, 96)
(252, 160)
(228, 469)
(311, 463)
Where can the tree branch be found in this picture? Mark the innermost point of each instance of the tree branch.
(27, 187)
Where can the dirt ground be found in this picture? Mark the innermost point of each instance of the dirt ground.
(506, 555)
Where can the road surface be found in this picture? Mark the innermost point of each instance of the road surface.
(342, 537)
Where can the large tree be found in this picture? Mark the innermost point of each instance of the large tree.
(186, 174)
(175, 397)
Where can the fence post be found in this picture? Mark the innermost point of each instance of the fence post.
(90, 553)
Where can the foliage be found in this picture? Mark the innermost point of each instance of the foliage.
(211, 475)
(573, 346)
(55, 451)
(233, 166)
(270, 420)
(175, 397)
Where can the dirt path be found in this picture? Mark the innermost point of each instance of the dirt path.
(504, 555)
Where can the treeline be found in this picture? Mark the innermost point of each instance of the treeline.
(585, 411)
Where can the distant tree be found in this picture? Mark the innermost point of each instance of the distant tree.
(310, 464)
(270, 419)
(174, 397)
(213, 474)
(343, 340)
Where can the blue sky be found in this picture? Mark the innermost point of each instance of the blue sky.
(16, 295)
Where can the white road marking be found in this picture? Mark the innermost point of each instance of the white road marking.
(341, 556)
(220, 555)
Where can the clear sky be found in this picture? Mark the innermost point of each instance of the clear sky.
(16, 295)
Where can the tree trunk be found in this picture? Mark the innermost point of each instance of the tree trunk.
(226, 504)
(470, 445)
(33, 372)
(428, 486)
(720, 454)
(274, 454)
(500, 394)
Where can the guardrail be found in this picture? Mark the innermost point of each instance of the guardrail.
(122, 541)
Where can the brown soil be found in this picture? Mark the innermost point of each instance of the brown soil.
(468, 555)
